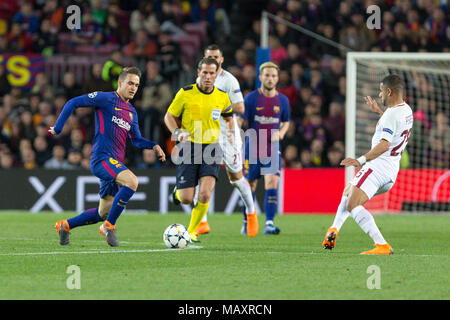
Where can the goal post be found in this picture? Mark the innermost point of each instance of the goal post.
(423, 184)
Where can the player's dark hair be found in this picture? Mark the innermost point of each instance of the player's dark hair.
(129, 70)
(208, 61)
(214, 47)
(393, 82)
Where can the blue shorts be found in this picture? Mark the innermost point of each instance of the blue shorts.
(107, 169)
(254, 171)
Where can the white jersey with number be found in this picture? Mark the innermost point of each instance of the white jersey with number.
(394, 126)
(379, 175)
(225, 81)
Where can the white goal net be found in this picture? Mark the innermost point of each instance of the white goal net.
(423, 183)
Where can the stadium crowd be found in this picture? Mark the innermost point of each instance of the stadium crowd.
(312, 73)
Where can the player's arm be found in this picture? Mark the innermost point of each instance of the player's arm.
(170, 118)
(373, 105)
(227, 116)
(86, 100)
(374, 153)
(388, 125)
(140, 142)
(236, 98)
(284, 124)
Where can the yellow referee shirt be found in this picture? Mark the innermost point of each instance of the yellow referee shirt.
(200, 112)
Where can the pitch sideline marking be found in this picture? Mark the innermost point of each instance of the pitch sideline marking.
(97, 252)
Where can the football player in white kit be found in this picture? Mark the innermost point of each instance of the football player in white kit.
(232, 153)
(380, 165)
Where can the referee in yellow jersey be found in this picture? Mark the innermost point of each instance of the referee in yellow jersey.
(200, 107)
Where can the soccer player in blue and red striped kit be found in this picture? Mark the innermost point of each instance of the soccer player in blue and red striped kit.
(267, 112)
(115, 121)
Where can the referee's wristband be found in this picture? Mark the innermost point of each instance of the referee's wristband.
(362, 160)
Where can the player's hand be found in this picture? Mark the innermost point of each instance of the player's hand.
(276, 136)
(373, 105)
(52, 131)
(159, 153)
(181, 135)
(350, 162)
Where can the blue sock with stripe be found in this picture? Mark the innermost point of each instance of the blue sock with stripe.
(119, 203)
(270, 204)
(90, 216)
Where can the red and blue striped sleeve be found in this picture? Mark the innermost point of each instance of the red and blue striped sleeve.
(94, 99)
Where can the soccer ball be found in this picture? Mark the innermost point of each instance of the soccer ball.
(176, 236)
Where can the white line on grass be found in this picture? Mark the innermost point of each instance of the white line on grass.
(97, 252)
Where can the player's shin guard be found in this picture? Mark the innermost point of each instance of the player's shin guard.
(197, 215)
(270, 204)
(89, 216)
(119, 203)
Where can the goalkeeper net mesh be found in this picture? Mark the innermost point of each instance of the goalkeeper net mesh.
(423, 183)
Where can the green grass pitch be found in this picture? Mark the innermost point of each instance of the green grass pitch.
(225, 265)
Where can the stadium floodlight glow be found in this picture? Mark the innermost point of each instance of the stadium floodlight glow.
(427, 87)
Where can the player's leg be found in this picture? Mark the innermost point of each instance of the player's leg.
(364, 187)
(341, 216)
(206, 186)
(271, 202)
(252, 173)
(90, 216)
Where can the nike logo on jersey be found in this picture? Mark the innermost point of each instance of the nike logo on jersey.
(121, 123)
(117, 109)
(259, 108)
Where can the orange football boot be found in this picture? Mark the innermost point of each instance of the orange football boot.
(202, 228)
(330, 239)
(62, 227)
(385, 249)
(252, 224)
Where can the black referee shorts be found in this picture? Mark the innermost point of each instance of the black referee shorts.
(196, 161)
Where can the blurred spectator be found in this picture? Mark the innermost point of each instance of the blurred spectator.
(334, 157)
(42, 87)
(334, 123)
(317, 152)
(5, 87)
(95, 82)
(291, 157)
(278, 53)
(248, 77)
(70, 87)
(286, 87)
(18, 41)
(28, 158)
(74, 158)
(143, 17)
(111, 70)
(6, 160)
(76, 139)
(441, 130)
(42, 152)
(156, 97)
(46, 41)
(57, 161)
(26, 18)
(149, 160)
(141, 47)
(169, 56)
(306, 159)
(90, 32)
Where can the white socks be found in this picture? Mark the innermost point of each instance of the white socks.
(341, 214)
(365, 220)
(246, 194)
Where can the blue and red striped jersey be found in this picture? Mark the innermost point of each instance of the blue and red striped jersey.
(115, 121)
(264, 114)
